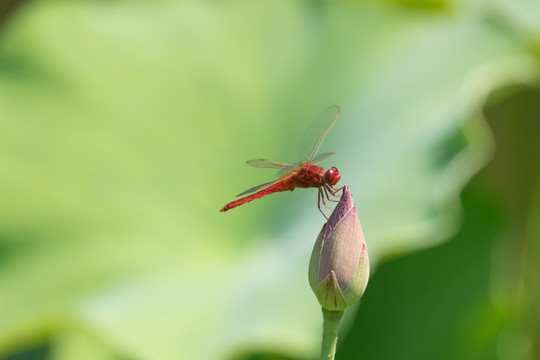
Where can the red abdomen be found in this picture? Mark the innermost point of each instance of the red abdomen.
(277, 187)
(305, 177)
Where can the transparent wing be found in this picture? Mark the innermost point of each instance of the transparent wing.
(318, 131)
(258, 187)
(322, 157)
(311, 141)
(287, 170)
(263, 163)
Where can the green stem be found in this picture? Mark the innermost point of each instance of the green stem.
(331, 323)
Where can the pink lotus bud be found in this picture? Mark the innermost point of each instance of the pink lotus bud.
(339, 265)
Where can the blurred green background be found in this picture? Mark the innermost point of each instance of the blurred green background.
(124, 127)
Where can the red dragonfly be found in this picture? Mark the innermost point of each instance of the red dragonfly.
(304, 174)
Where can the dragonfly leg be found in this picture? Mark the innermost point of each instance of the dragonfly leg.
(327, 191)
(319, 195)
(333, 193)
(322, 197)
(333, 190)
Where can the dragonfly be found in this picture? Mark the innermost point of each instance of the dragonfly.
(304, 174)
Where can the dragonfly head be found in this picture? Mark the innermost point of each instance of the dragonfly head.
(332, 176)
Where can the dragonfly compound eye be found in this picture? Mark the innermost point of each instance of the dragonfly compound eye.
(332, 176)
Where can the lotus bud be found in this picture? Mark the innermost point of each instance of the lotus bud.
(339, 265)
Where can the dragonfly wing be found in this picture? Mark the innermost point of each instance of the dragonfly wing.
(322, 157)
(283, 172)
(263, 163)
(318, 131)
(259, 187)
